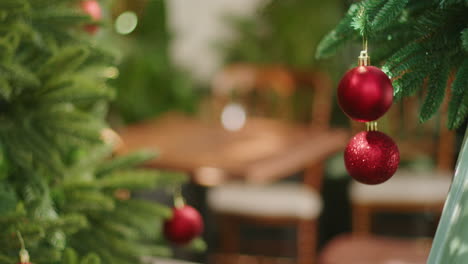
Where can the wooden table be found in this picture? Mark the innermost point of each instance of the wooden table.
(263, 150)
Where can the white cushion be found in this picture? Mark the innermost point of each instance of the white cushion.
(274, 200)
(405, 187)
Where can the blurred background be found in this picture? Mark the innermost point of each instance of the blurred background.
(230, 92)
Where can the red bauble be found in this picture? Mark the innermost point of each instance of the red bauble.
(93, 9)
(185, 224)
(371, 157)
(365, 93)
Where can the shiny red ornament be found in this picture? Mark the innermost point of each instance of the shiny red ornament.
(371, 157)
(93, 9)
(365, 93)
(186, 224)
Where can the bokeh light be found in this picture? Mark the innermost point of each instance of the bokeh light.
(233, 117)
(126, 22)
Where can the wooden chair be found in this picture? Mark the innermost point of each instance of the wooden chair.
(355, 249)
(417, 191)
(276, 204)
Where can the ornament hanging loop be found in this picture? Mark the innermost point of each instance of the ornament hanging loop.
(372, 126)
(364, 59)
(23, 254)
(179, 200)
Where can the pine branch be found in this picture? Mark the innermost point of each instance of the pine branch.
(145, 222)
(400, 55)
(121, 230)
(59, 17)
(360, 22)
(83, 91)
(338, 37)
(464, 39)
(409, 84)
(10, 5)
(155, 210)
(8, 199)
(41, 150)
(43, 254)
(436, 86)
(70, 223)
(69, 256)
(124, 162)
(19, 75)
(458, 107)
(84, 201)
(445, 3)
(66, 60)
(5, 90)
(72, 124)
(91, 259)
(388, 14)
(6, 259)
(411, 62)
(140, 179)
(372, 7)
(126, 250)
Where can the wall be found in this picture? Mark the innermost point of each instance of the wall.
(197, 25)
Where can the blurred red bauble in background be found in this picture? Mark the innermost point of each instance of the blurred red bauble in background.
(365, 93)
(93, 9)
(371, 157)
(186, 224)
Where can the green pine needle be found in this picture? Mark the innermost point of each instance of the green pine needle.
(91, 258)
(125, 162)
(436, 87)
(69, 257)
(388, 14)
(337, 37)
(458, 107)
(464, 39)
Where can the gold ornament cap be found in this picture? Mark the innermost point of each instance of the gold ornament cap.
(364, 58)
(24, 256)
(23, 253)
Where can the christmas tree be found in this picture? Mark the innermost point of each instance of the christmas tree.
(60, 189)
(423, 47)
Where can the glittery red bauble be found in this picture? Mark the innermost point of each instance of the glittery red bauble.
(185, 224)
(365, 93)
(371, 157)
(93, 9)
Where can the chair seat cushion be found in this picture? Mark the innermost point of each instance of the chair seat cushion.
(349, 249)
(154, 260)
(274, 200)
(405, 187)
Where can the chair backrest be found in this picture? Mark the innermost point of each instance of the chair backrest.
(269, 90)
(415, 140)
